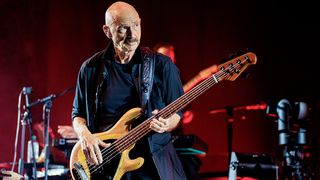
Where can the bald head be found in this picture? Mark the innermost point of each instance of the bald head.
(123, 28)
(119, 12)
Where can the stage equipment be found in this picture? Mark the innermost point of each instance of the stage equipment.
(258, 166)
(229, 110)
(292, 129)
(27, 119)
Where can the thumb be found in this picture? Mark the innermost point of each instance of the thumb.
(103, 144)
(154, 112)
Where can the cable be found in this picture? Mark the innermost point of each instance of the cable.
(17, 132)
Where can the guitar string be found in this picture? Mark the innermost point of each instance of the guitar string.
(128, 141)
(132, 136)
(143, 129)
(167, 111)
(209, 85)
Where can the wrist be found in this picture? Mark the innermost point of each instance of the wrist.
(80, 127)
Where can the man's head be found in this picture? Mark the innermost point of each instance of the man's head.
(166, 49)
(122, 26)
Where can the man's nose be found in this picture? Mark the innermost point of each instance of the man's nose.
(130, 32)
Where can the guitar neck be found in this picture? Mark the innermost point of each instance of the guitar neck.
(227, 71)
(191, 83)
(144, 128)
(189, 96)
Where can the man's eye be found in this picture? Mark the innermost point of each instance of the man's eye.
(122, 29)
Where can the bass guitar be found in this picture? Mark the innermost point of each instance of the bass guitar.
(124, 137)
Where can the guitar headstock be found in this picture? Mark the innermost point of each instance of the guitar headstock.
(233, 68)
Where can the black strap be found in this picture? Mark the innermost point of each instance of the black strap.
(146, 79)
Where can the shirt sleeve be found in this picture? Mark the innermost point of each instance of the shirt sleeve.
(79, 105)
(172, 84)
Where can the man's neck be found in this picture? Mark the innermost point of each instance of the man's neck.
(123, 57)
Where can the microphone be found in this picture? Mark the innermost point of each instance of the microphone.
(283, 111)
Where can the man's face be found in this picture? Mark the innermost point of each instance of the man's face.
(126, 34)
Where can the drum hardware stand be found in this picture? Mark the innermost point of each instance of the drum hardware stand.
(46, 118)
(26, 119)
(47, 101)
(229, 119)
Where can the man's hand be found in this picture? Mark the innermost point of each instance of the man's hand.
(162, 125)
(90, 147)
(89, 142)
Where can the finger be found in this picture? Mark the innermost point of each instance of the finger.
(157, 124)
(86, 154)
(93, 156)
(85, 151)
(164, 122)
(83, 145)
(98, 153)
(156, 127)
(103, 144)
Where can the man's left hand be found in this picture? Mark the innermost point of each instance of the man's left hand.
(162, 125)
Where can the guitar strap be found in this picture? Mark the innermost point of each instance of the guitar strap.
(146, 74)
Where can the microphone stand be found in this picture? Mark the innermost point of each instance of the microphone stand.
(47, 101)
(229, 112)
(230, 121)
(26, 119)
(46, 118)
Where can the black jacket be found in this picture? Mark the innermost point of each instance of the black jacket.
(166, 88)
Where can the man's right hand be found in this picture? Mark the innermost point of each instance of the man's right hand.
(90, 147)
(89, 142)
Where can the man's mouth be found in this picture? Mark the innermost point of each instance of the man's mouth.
(131, 41)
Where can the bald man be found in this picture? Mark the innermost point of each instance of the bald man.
(117, 79)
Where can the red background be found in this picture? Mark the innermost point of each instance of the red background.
(43, 43)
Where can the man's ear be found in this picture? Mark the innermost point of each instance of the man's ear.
(106, 31)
